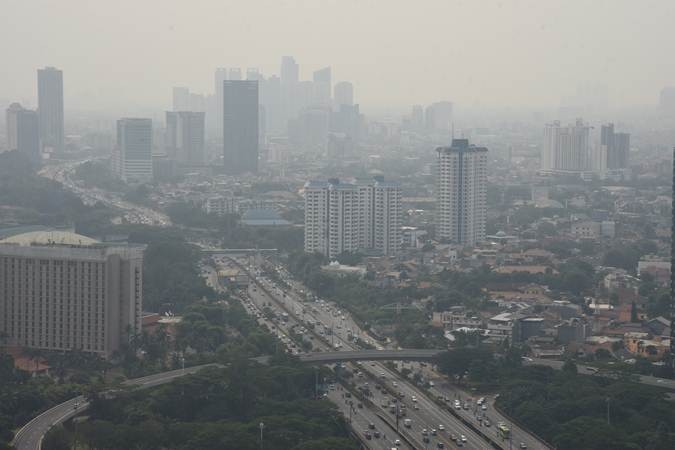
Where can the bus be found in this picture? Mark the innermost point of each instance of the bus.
(504, 431)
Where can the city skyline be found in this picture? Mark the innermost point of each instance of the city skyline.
(515, 63)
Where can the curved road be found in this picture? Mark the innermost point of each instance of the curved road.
(30, 436)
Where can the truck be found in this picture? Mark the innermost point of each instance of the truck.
(407, 423)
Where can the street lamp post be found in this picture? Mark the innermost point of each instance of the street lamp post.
(262, 426)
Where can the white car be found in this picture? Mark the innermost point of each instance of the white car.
(462, 438)
(441, 427)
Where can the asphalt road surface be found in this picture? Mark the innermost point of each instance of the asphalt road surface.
(30, 436)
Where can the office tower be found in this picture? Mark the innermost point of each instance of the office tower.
(185, 136)
(615, 146)
(50, 108)
(271, 97)
(343, 93)
(240, 126)
(234, 74)
(567, 149)
(181, 98)
(23, 132)
(342, 217)
(322, 86)
(253, 74)
(62, 291)
(347, 120)
(197, 103)
(290, 71)
(133, 152)
(619, 157)
(310, 130)
(219, 77)
(438, 116)
(461, 190)
(417, 117)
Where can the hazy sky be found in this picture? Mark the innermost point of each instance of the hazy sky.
(396, 52)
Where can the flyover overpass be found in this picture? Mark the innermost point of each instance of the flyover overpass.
(410, 354)
(236, 251)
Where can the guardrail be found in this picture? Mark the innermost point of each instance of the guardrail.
(521, 425)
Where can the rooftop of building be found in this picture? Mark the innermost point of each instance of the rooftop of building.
(49, 238)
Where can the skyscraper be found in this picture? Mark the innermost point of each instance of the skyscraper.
(615, 146)
(253, 74)
(343, 93)
(23, 131)
(438, 116)
(234, 74)
(322, 86)
(63, 291)
(341, 217)
(181, 98)
(461, 192)
(133, 152)
(290, 71)
(567, 149)
(185, 136)
(50, 108)
(240, 126)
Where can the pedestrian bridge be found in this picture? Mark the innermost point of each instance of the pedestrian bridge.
(410, 354)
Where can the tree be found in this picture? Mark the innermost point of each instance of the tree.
(633, 312)
(57, 439)
(569, 366)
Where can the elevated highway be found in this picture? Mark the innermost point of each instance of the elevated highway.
(410, 354)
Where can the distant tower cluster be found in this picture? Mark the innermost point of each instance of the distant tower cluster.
(461, 193)
(341, 217)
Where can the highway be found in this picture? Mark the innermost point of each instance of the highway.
(590, 370)
(369, 355)
(133, 213)
(518, 435)
(30, 436)
(325, 318)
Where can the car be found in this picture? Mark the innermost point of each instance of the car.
(425, 439)
(367, 435)
(484, 407)
(462, 438)
(395, 384)
(359, 405)
(371, 426)
(440, 445)
(441, 427)
(397, 442)
(523, 445)
(416, 407)
(453, 437)
(487, 423)
(376, 434)
(434, 432)
(424, 432)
